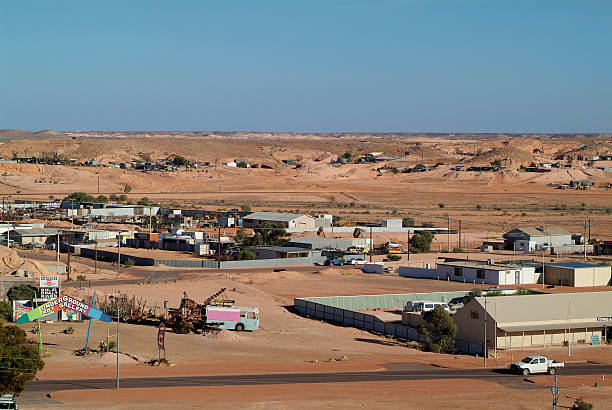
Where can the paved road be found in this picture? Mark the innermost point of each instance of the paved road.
(496, 375)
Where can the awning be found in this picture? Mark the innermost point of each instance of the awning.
(553, 326)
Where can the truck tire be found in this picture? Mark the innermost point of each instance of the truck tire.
(552, 371)
(239, 327)
(525, 372)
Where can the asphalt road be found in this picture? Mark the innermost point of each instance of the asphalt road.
(496, 375)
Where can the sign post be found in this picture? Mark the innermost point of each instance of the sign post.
(161, 340)
(93, 303)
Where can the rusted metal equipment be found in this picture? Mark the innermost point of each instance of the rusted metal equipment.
(191, 316)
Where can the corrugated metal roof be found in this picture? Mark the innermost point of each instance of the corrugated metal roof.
(554, 230)
(37, 232)
(548, 307)
(551, 326)
(479, 265)
(273, 216)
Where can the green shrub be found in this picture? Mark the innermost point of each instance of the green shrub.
(393, 257)
(580, 404)
(421, 242)
(81, 278)
(19, 359)
(129, 263)
(407, 222)
(457, 250)
(6, 311)
(127, 189)
(245, 255)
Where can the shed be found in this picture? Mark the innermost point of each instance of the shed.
(577, 274)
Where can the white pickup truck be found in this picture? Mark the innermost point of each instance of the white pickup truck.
(536, 364)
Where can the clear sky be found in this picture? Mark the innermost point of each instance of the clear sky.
(307, 65)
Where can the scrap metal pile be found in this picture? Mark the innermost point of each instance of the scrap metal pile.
(191, 316)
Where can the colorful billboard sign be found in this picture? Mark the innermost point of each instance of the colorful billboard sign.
(48, 293)
(64, 303)
(20, 308)
(49, 281)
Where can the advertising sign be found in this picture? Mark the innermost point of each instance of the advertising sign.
(604, 319)
(48, 293)
(20, 308)
(49, 281)
(64, 303)
(161, 336)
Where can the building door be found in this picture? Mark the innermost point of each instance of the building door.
(517, 277)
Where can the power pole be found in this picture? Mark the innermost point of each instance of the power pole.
(589, 230)
(371, 244)
(219, 248)
(459, 234)
(68, 267)
(119, 256)
(98, 182)
(58, 247)
(584, 239)
(448, 234)
(72, 211)
(96, 260)
(408, 245)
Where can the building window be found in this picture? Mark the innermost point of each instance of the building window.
(458, 271)
(474, 314)
(480, 273)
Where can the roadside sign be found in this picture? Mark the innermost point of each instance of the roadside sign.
(48, 293)
(605, 319)
(49, 281)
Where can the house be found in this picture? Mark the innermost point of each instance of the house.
(517, 322)
(274, 252)
(34, 236)
(253, 220)
(577, 274)
(580, 183)
(602, 248)
(479, 272)
(531, 238)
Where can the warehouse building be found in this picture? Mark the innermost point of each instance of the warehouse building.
(316, 242)
(517, 322)
(274, 252)
(577, 274)
(531, 239)
(286, 220)
(34, 236)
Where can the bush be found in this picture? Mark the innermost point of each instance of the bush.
(478, 207)
(81, 278)
(427, 225)
(21, 292)
(407, 222)
(457, 250)
(129, 263)
(112, 345)
(421, 242)
(79, 197)
(245, 207)
(580, 404)
(19, 359)
(245, 255)
(101, 199)
(441, 205)
(6, 311)
(393, 257)
(123, 197)
(127, 189)
(179, 161)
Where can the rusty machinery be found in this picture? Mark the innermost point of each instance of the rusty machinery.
(191, 316)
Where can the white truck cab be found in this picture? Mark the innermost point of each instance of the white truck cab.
(536, 364)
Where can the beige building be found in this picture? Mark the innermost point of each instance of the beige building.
(577, 274)
(286, 220)
(516, 322)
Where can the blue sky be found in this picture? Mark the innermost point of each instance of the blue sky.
(307, 65)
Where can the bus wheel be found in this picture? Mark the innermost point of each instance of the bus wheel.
(240, 327)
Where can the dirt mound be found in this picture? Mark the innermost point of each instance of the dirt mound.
(12, 263)
(225, 335)
(514, 156)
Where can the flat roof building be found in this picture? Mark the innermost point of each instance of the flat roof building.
(577, 274)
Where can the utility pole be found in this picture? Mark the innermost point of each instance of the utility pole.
(448, 234)
(58, 247)
(485, 331)
(371, 244)
(555, 393)
(98, 182)
(149, 222)
(119, 257)
(589, 230)
(219, 248)
(408, 245)
(68, 267)
(96, 260)
(459, 245)
(72, 211)
(584, 239)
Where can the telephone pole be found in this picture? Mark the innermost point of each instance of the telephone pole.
(219, 248)
(448, 234)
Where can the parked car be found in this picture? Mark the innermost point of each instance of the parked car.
(7, 401)
(422, 307)
(334, 261)
(536, 364)
(356, 261)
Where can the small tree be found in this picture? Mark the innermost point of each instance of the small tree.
(393, 257)
(347, 155)
(127, 189)
(407, 222)
(129, 263)
(122, 165)
(241, 164)
(474, 293)
(421, 242)
(123, 197)
(19, 360)
(245, 207)
(21, 292)
(244, 255)
(179, 161)
(101, 199)
(241, 236)
(79, 197)
(439, 330)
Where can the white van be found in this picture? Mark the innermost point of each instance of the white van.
(421, 307)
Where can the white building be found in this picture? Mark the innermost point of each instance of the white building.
(475, 272)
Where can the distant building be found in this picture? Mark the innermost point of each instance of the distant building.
(475, 272)
(253, 220)
(274, 252)
(34, 236)
(532, 238)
